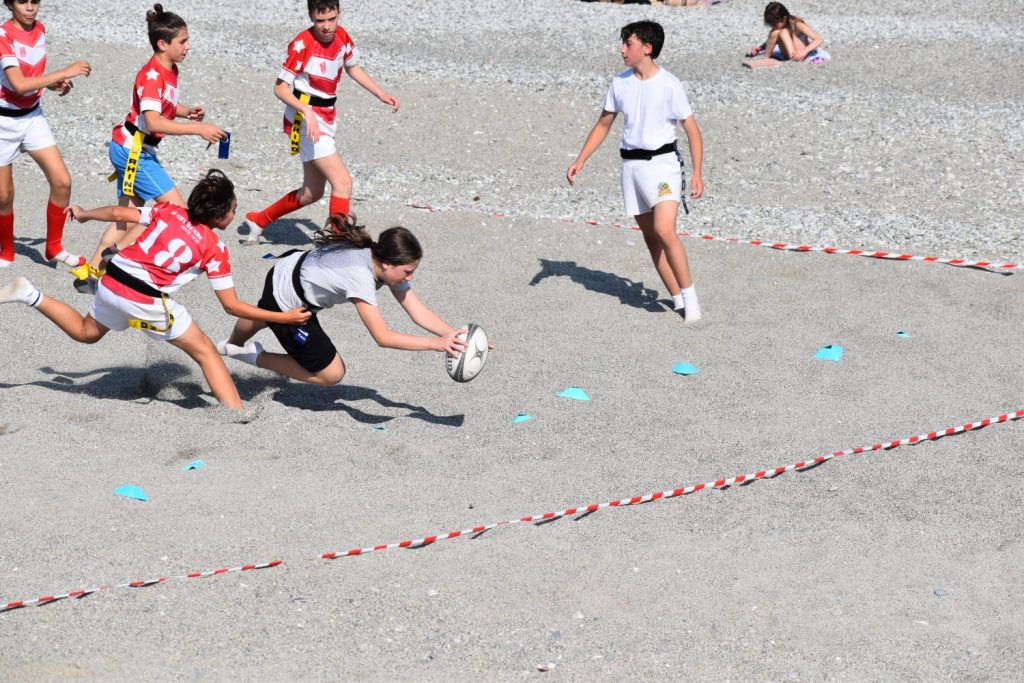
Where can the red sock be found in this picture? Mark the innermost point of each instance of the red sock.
(282, 207)
(55, 219)
(340, 205)
(7, 236)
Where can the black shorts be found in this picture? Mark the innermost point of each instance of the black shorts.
(308, 344)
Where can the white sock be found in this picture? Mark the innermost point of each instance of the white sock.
(247, 354)
(677, 301)
(691, 303)
(20, 291)
(69, 259)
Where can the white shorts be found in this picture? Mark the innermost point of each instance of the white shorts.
(324, 147)
(646, 182)
(114, 311)
(23, 134)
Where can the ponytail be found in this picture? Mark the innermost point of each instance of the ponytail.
(342, 229)
(395, 246)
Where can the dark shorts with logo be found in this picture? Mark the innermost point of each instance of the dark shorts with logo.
(308, 344)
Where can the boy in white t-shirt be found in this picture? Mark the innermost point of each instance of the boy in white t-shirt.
(652, 100)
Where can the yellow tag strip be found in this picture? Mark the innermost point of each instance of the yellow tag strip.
(130, 168)
(296, 136)
(85, 271)
(143, 325)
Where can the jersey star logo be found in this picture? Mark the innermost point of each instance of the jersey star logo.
(213, 266)
(298, 46)
(152, 75)
(220, 244)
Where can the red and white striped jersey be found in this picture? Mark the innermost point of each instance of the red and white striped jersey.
(155, 89)
(170, 253)
(27, 51)
(316, 68)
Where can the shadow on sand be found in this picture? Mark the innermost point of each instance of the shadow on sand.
(629, 293)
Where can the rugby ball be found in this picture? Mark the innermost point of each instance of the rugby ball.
(467, 365)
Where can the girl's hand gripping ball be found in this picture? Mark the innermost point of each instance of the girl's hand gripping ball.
(468, 364)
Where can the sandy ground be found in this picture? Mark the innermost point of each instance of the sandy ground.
(894, 565)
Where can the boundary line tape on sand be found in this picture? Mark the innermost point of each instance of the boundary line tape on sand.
(584, 509)
(1008, 268)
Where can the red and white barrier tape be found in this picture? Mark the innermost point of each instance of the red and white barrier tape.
(783, 246)
(584, 509)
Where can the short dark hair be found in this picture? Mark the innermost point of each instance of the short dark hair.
(211, 198)
(163, 25)
(647, 32)
(315, 6)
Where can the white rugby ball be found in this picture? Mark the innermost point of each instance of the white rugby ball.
(467, 365)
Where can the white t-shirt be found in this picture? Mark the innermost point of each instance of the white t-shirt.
(330, 276)
(651, 108)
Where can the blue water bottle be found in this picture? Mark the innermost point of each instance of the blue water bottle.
(224, 149)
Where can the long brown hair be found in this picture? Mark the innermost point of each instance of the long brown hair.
(774, 12)
(396, 246)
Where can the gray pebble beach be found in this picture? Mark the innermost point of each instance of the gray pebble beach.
(903, 564)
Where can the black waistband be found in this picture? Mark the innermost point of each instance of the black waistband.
(148, 139)
(316, 101)
(128, 280)
(15, 113)
(647, 153)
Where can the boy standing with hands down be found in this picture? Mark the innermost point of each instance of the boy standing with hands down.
(307, 85)
(652, 100)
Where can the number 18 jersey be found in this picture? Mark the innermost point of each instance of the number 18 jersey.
(172, 252)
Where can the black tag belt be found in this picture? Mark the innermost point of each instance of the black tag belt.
(117, 274)
(316, 101)
(647, 154)
(148, 139)
(15, 113)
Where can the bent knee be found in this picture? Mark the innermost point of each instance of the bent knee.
(333, 373)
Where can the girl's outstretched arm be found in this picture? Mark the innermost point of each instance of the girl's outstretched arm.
(389, 339)
(421, 315)
(111, 214)
(229, 300)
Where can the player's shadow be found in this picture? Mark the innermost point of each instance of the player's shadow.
(340, 397)
(158, 382)
(625, 290)
(31, 248)
(287, 232)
